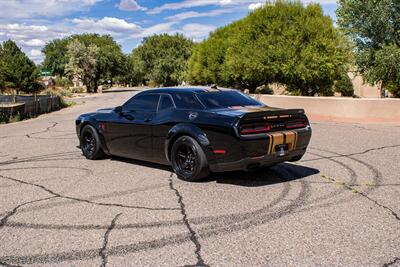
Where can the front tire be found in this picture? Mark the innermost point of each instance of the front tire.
(188, 159)
(90, 143)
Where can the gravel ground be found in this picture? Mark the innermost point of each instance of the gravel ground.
(338, 206)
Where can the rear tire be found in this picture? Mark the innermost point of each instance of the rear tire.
(188, 159)
(90, 143)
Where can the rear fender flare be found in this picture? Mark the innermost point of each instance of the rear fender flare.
(193, 131)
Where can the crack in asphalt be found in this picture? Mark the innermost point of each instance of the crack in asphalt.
(355, 190)
(394, 261)
(4, 220)
(85, 200)
(29, 135)
(193, 234)
(351, 154)
(103, 251)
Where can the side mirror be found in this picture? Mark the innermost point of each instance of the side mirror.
(118, 110)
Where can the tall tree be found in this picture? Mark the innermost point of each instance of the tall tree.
(375, 28)
(109, 57)
(82, 63)
(163, 58)
(17, 71)
(55, 56)
(285, 42)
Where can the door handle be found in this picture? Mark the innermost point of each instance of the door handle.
(147, 120)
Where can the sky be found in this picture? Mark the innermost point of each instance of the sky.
(33, 23)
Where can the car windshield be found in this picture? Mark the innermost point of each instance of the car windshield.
(226, 99)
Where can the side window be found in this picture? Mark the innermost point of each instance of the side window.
(186, 101)
(147, 103)
(166, 103)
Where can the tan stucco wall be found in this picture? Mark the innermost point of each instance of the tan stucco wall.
(338, 106)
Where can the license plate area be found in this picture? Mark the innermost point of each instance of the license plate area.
(282, 150)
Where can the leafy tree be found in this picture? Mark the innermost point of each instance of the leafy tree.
(285, 42)
(109, 59)
(374, 27)
(55, 56)
(161, 59)
(17, 71)
(82, 63)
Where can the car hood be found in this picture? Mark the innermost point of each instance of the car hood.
(105, 110)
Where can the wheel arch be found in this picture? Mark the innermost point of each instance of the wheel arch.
(187, 129)
(95, 125)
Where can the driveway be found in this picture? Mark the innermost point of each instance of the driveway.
(340, 205)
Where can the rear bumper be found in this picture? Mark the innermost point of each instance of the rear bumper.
(251, 163)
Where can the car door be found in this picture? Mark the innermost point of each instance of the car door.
(162, 123)
(131, 135)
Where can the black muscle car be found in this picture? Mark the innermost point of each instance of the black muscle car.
(196, 131)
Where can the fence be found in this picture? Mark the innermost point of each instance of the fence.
(27, 106)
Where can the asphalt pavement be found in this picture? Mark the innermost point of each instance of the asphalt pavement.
(338, 206)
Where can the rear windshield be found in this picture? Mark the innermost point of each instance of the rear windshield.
(227, 99)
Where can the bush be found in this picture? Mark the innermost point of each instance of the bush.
(265, 90)
(63, 82)
(344, 85)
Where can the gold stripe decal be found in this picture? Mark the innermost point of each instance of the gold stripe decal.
(276, 139)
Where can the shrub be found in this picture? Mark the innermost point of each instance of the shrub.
(344, 85)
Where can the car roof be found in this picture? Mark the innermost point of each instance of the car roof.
(192, 89)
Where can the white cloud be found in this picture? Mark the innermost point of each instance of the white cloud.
(157, 29)
(196, 3)
(38, 8)
(197, 31)
(108, 25)
(33, 42)
(130, 5)
(35, 53)
(195, 14)
(255, 6)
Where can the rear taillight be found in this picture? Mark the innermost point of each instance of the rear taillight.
(255, 129)
(296, 124)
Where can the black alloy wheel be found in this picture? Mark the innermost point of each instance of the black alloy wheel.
(90, 143)
(188, 159)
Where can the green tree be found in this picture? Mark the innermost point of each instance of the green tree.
(285, 42)
(55, 56)
(17, 71)
(162, 59)
(374, 27)
(82, 63)
(109, 59)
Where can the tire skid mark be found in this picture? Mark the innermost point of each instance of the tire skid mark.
(91, 198)
(352, 173)
(198, 220)
(4, 220)
(85, 200)
(393, 262)
(45, 157)
(377, 175)
(29, 135)
(338, 155)
(8, 265)
(103, 251)
(121, 250)
(377, 178)
(193, 235)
